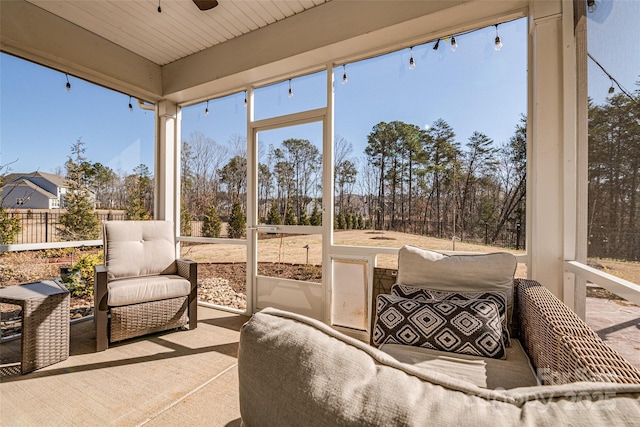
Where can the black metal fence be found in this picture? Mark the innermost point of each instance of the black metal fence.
(44, 227)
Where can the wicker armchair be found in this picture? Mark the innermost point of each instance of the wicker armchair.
(142, 288)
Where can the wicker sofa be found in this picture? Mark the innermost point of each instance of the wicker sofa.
(297, 371)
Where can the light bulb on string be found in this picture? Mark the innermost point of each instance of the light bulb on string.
(344, 74)
(611, 90)
(412, 62)
(130, 105)
(498, 43)
(206, 110)
(591, 6)
(437, 45)
(454, 44)
(68, 85)
(290, 90)
(245, 98)
(159, 8)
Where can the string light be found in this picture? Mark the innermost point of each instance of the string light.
(591, 6)
(412, 63)
(290, 90)
(498, 44)
(611, 89)
(613, 80)
(245, 98)
(206, 110)
(437, 45)
(130, 105)
(159, 8)
(344, 74)
(454, 44)
(68, 85)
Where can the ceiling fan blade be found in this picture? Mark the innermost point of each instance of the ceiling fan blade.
(205, 4)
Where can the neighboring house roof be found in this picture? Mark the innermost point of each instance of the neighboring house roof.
(32, 187)
(58, 180)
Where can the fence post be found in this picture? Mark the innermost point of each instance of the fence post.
(46, 227)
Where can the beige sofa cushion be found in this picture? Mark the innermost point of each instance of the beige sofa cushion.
(295, 371)
(466, 273)
(485, 372)
(146, 289)
(139, 248)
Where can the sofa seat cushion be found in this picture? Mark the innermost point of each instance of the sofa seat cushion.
(147, 288)
(515, 371)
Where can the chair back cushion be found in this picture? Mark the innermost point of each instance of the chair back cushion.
(460, 273)
(139, 248)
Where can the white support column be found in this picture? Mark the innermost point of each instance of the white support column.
(579, 28)
(252, 208)
(551, 148)
(328, 195)
(166, 171)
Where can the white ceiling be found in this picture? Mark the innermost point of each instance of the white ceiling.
(185, 55)
(181, 29)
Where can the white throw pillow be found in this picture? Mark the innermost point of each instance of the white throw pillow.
(464, 273)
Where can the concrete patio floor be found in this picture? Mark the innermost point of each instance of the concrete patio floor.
(618, 324)
(172, 378)
(181, 378)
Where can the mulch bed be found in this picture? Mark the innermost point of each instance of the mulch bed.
(221, 284)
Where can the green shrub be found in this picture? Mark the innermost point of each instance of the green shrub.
(237, 222)
(212, 225)
(81, 277)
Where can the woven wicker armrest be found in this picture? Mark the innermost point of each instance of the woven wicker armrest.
(561, 346)
(189, 270)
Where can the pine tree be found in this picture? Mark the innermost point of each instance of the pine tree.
(274, 216)
(289, 215)
(349, 221)
(304, 218)
(79, 221)
(212, 225)
(237, 222)
(316, 215)
(342, 222)
(138, 184)
(185, 221)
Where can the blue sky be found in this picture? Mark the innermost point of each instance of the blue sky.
(473, 89)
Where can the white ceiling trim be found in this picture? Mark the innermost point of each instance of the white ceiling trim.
(180, 30)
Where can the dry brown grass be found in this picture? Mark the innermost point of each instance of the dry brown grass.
(627, 270)
(28, 266)
(290, 249)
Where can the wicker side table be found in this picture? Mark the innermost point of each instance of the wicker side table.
(45, 322)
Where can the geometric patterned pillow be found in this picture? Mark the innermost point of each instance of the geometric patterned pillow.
(467, 327)
(424, 294)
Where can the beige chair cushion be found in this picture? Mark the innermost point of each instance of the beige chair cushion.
(139, 248)
(485, 372)
(465, 273)
(145, 289)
